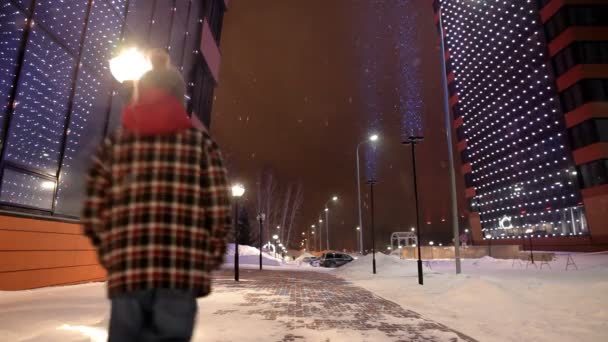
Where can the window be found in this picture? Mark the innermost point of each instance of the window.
(588, 132)
(595, 52)
(215, 11)
(587, 90)
(61, 98)
(592, 15)
(594, 173)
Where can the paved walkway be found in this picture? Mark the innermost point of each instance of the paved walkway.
(323, 302)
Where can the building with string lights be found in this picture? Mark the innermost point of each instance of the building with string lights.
(528, 91)
(59, 101)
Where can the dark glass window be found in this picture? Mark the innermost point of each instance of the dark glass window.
(591, 15)
(161, 25)
(86, 128)
(589, 132)
(595, 52)
(587, 90)
(468, 180)
(27, 189)
(64, 19)
(215, 15)
(12, 22)
(103, 36)
(460, 133)
(37, 126)
(178, 32)
(594, 173)
(61, 112)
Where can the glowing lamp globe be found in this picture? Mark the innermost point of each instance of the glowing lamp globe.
(238, 190)
(129, 65)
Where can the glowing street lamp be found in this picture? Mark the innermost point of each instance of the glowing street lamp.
(129, 65)
(334, 199)
(238, 190)
(372, 138)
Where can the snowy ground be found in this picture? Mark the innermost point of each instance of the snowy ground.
(490, 301)
(494, 301)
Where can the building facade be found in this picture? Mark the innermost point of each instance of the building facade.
(528, 86)
(59, 101)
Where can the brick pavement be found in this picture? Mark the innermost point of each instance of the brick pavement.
(323, 302)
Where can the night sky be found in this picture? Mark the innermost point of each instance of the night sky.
(303, 82)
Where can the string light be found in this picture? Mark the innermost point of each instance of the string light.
(521, 171)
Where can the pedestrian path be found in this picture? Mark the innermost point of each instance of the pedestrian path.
(332, 307)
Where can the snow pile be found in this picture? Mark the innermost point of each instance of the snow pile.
(498, 300)
(250, 256)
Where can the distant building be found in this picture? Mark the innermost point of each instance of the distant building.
(58, 102)
(528, 87)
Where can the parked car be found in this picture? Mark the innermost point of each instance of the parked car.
(335, 259)
(312, 261)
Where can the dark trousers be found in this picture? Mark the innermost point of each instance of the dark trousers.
(153, 315)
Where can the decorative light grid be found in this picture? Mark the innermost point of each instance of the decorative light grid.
(516, 143)
(65, 18)
(119, 6)
(84, 135)
(25, 4)
(12, 23)
(41, 105)
(37, 128)
(27, 189)
(103, 37)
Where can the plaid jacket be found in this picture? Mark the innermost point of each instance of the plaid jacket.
(158, 210)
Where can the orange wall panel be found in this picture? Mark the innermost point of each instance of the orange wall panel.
(36, 253)
(10, 281)
(31, 260)
(18, 240)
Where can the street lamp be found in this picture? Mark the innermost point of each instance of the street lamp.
(413, 140)
(129, 65)
(489, 237)
(261, 217)
(371, 183)
(334, 199)
(372, 138)
(448, 133)
(238, 190)
(529, 231)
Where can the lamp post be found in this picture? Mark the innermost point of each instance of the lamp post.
(372, 138)
(489, 237)
(320, 238)
(334, 199)
(448, 132)
(314, 236)
(529, 231)
(359, 240)
(238, 190)
(371, 183)
(261, 217)
(413, 140)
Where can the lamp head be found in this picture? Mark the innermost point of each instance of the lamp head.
(238, 190)
(129, 65)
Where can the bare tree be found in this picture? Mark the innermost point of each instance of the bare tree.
(286, 204)
(296, 206)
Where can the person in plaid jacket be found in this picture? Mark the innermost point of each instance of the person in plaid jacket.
(157, 211)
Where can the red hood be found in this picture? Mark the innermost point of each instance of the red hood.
(156, 112)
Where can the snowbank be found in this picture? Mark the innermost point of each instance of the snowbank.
(250, 256)
(495, 300)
